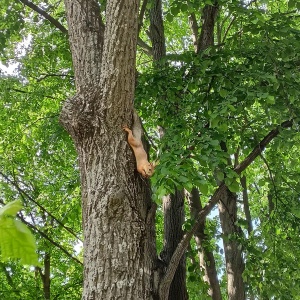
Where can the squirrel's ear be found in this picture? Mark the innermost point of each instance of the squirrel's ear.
(155, 163)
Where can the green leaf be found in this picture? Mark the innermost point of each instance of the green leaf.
(220, 175)
(175, 10)
(223, 93)
(11, 208)
(292, 4)
(203, 187)
(16, 240)
(169, 17)
(234, 186)
(214, 142)
(270, 99)
(184, 7)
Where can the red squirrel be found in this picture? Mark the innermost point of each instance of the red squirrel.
(144, 167)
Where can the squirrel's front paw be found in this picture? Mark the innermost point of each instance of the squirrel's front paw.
(125, 128)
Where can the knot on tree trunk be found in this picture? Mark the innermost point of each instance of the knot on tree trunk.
(78, 113)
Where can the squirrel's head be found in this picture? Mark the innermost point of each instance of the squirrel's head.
(148, 170)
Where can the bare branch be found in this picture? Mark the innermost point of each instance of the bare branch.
(45, 15)
(26, 92)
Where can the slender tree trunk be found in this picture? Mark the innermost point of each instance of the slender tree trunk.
(118, 215)
(173, 206)
(206, 257)
(157, 33)
(232, 248)
(209, 15)
(46, 276)
(246, 204)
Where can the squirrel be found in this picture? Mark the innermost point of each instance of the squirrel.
(144, 167)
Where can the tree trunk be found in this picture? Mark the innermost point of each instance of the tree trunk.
(46, 276)
(118, 215)
(246, 204)
(232, 248)
(157, 33)
(173, 206)
(209, 15)
(206, 257)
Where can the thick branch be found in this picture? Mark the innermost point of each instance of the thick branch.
(142, 13)
(45, 15)
(145, 47)
(182, 246)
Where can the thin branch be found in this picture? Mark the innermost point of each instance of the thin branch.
(142, 13)
(39, 205)
(45, 15)
(44, 76)
(26, 92)
(232, 21)
(261, 146)
(50, 240)
(184, 243)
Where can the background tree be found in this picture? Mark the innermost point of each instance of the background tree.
(221, 79)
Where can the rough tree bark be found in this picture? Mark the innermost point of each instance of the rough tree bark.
(118, 216)
(232, 247)
(173, 207)
(156, 30)
(209, 15)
